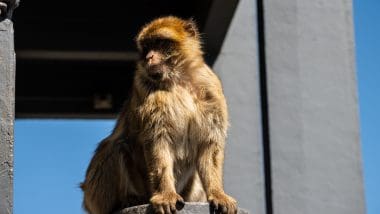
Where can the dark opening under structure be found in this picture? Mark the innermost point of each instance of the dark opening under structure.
(77, 60)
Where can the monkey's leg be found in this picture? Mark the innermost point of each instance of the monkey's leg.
(159, 158)
(210, 168)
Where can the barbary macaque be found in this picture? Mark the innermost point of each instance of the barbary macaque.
(168, 144)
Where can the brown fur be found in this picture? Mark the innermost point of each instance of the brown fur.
(168, 143)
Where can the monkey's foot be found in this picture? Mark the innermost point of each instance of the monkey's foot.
(222, 203)
(167, 203)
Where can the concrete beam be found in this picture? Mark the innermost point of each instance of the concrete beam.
(77, 55)
(313, 107)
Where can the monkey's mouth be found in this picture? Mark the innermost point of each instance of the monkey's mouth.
(156, 75)
(157, 72)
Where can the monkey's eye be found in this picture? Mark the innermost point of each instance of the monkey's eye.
(144, 50)
(166, 44)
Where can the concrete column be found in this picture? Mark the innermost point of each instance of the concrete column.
(7, 96)
(237, 67)
(313, 107)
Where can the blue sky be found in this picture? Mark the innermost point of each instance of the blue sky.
(367, 26)
(51, 155)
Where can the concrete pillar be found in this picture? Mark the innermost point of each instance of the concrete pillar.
(313, 107)
(237, 67)
(7, 96)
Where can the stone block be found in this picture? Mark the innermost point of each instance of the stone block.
(190, 208)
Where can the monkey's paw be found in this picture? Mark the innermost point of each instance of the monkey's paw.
(222, 203)
(167, 203)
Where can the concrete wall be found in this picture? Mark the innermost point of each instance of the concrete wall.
(313, 107)
(310, 86)
(237, 67)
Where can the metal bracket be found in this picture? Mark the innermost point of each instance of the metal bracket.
(3, 8)
(7, 7)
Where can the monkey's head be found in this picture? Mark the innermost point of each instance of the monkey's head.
(166, 46)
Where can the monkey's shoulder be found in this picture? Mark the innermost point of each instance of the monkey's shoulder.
(207, 86)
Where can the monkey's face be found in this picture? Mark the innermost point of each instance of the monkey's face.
(159, 58)
(167, 45)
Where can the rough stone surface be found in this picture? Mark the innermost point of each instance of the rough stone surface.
(190, 208)
(313, 107)
(237, 67)
(7, 89)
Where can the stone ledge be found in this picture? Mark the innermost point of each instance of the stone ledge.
(190, 208)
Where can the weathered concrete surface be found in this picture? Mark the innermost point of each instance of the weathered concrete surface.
(7, 90)
(313, 113)
(237, 67)
(190, 208)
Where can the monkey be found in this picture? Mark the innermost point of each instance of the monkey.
(167, 146)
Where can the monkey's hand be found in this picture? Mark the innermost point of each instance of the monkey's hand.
(167, 202)
(222, 203)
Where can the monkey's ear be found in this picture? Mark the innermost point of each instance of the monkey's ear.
(191, 27)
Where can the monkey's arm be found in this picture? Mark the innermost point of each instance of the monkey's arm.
(211, 152)
(162, 183)
(210, 168)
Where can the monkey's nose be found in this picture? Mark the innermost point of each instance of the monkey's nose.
(152, 58)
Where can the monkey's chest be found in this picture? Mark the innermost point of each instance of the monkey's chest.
(167, 111)
(168, 115)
